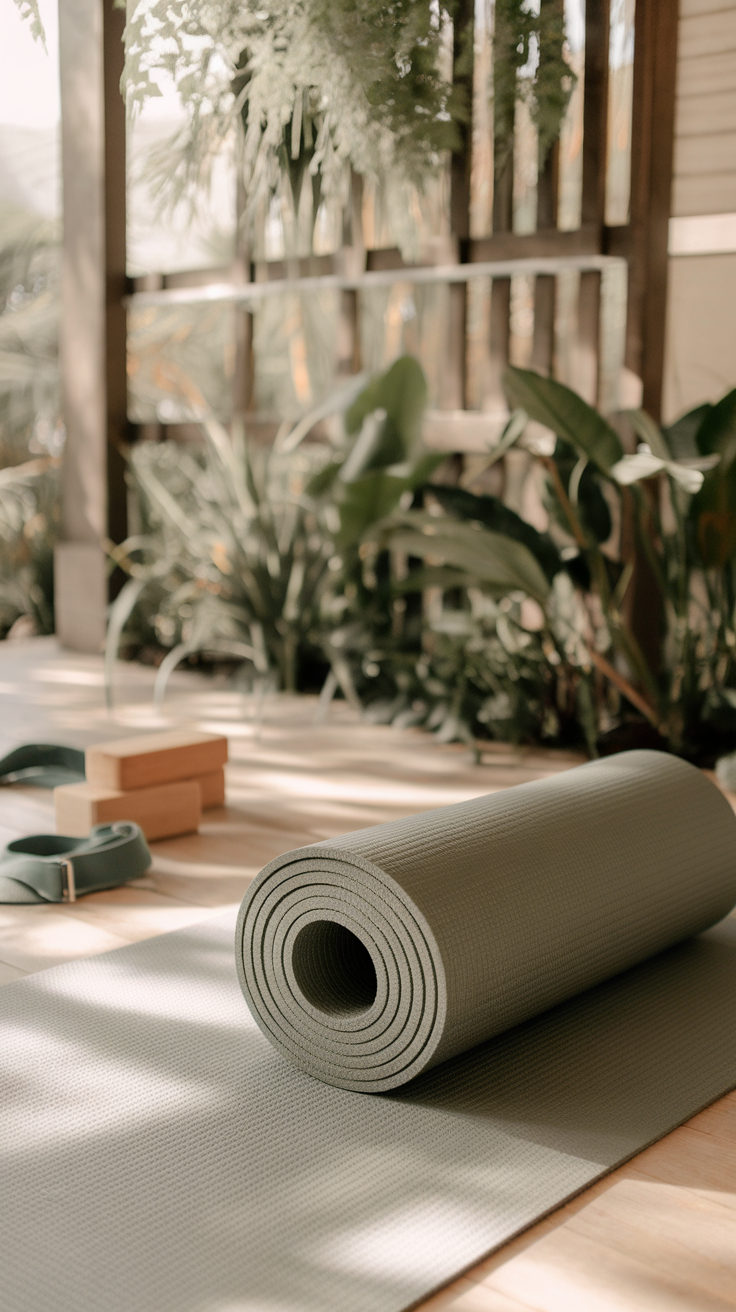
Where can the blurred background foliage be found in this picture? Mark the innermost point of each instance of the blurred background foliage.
(347, 556)
(306, 95)
(29, 377)
(30, 424)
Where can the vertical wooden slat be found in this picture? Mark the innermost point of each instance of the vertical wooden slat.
(655, 72)
(587, 355)
(595, 111)
(352, 262)
(455, 374)
(545, 286)
(116, 319)
(548, 187)
(503, 221)
(593, 200)
(244, 365)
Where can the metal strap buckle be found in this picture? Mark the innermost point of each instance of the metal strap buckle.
(68, 883)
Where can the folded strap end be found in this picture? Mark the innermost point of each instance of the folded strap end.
(68, 881)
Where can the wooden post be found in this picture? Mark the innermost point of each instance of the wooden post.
(655, 71)
(545, 286)
(593, 202)
(244, 366)
(93, 321)
(653, 125)
(455, 382)
(352, 262)
(503, 222)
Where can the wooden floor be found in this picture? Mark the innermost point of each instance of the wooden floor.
(659, 1234)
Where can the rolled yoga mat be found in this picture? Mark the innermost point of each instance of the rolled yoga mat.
(371, 958)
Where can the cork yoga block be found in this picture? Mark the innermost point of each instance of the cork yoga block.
(212, 789)
(154, 758)
(162, 812)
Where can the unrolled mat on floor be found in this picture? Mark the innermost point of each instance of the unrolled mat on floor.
(158, 1154)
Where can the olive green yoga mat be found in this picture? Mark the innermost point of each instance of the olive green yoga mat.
(159, 1154)
(372, 958)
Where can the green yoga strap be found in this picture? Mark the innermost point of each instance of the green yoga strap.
(56, 868)
(43, 764)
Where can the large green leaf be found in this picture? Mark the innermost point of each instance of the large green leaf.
(495, 560)
(713, 510)
(493, 514)
(402, 393)
(681, 436)
(647, 431)
(566, 413)
(374, 495)
(367, 500)
(324, 479)
(717, 432)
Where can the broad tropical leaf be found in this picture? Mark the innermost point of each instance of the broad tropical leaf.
(495, 560)
(650, 433)
(401, 393)
(717, 432)
(566, 413)
(681, 435)
(367, 500)
(714, 508)
(493, 514)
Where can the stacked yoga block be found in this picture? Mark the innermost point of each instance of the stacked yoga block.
(162, 781)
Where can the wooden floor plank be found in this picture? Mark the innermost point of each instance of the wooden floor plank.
(570, 1272)
(658, 1235)
(693, 1160)
(463, 1296)
(35, 937)
(687, 1239)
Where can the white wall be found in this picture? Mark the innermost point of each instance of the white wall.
(700, 361)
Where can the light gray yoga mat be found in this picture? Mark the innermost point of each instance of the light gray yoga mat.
(158, 1154)
(371, 958)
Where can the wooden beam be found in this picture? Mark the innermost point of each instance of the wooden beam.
(503, 223)
(548, 178)
(92, 333)
(593, 200)
(652, 129)
(551, 243)
(242, 272)
(548, 242)
(595, 113)
(653, 126)
(548, 192)
(351, 260)
(116, 319)
(454, 373)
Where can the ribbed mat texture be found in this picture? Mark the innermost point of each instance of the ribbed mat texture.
(373, 957)
(158, 1154)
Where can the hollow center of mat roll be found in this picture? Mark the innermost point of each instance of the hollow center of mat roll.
(333, 969)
